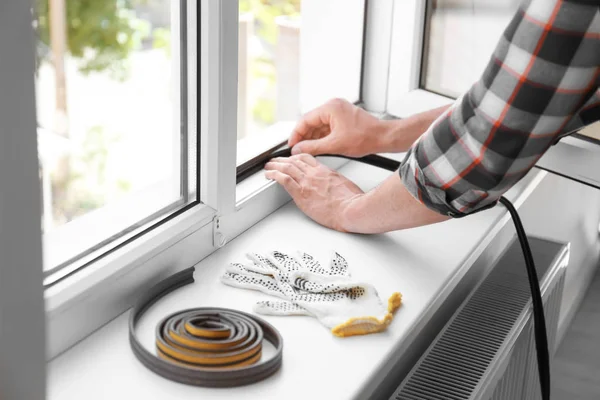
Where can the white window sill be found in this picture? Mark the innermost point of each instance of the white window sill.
(313, 358)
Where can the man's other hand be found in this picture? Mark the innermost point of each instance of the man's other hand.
(339, 127)
(318, 191)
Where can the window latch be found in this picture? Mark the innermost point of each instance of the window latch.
(219, 239)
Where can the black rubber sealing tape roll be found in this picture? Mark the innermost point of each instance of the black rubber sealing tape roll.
(212, 347)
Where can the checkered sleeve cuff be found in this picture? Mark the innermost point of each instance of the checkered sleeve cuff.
(414, 180)
(431, 194)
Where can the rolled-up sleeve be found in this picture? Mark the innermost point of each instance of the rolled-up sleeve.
(542, 79)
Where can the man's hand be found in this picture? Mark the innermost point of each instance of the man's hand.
(339, 127)
(335, 202)
(319, 192)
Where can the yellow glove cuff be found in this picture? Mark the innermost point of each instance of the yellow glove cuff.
(366, 325)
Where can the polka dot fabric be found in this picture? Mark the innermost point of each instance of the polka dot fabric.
(238, 275)
(284, 308)
(345, 306)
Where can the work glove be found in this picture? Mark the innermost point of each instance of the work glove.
(345, 306)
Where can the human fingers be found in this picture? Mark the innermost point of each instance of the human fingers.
(288, 183)
(316, 147)
(312, 124)
(306, 158)
(287, 167)
(303, 161)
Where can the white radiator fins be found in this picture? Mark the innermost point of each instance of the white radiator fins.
(486, 350)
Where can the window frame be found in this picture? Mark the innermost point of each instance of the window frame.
(407, 43)
(64, 250)
(111, 285)
(392, 33)
(279, 131)
(155, 212)
(409, 40)
(377, 51)
(476, 18)
(108, 285)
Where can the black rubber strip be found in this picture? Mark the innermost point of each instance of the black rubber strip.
(243, 170)
(241, 325)
(256, 166)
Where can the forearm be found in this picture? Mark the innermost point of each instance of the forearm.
(389, 207)
(397, 136)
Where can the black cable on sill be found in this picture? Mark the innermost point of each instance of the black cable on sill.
(541, 337)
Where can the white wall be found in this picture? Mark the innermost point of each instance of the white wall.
(567, 211)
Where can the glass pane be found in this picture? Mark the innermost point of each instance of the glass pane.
(274, 36)
(460, 38)
(109, 109)
(269, 62)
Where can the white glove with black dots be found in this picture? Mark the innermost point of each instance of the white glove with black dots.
(343, 305)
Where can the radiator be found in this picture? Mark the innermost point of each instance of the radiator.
(486, 351)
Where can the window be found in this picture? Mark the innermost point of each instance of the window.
(439, 48)
(116, 153)
(292, 56)
(144, 110)
(459, 40)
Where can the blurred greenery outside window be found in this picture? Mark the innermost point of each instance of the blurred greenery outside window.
(101, 39)
(262, 63)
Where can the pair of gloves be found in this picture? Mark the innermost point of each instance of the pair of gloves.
(344, 306)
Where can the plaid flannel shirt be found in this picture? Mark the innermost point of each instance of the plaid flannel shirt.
(541, 81)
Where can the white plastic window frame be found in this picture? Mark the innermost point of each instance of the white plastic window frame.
(80, 304)
(404, 95)
(66, 250)
(323, 74)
